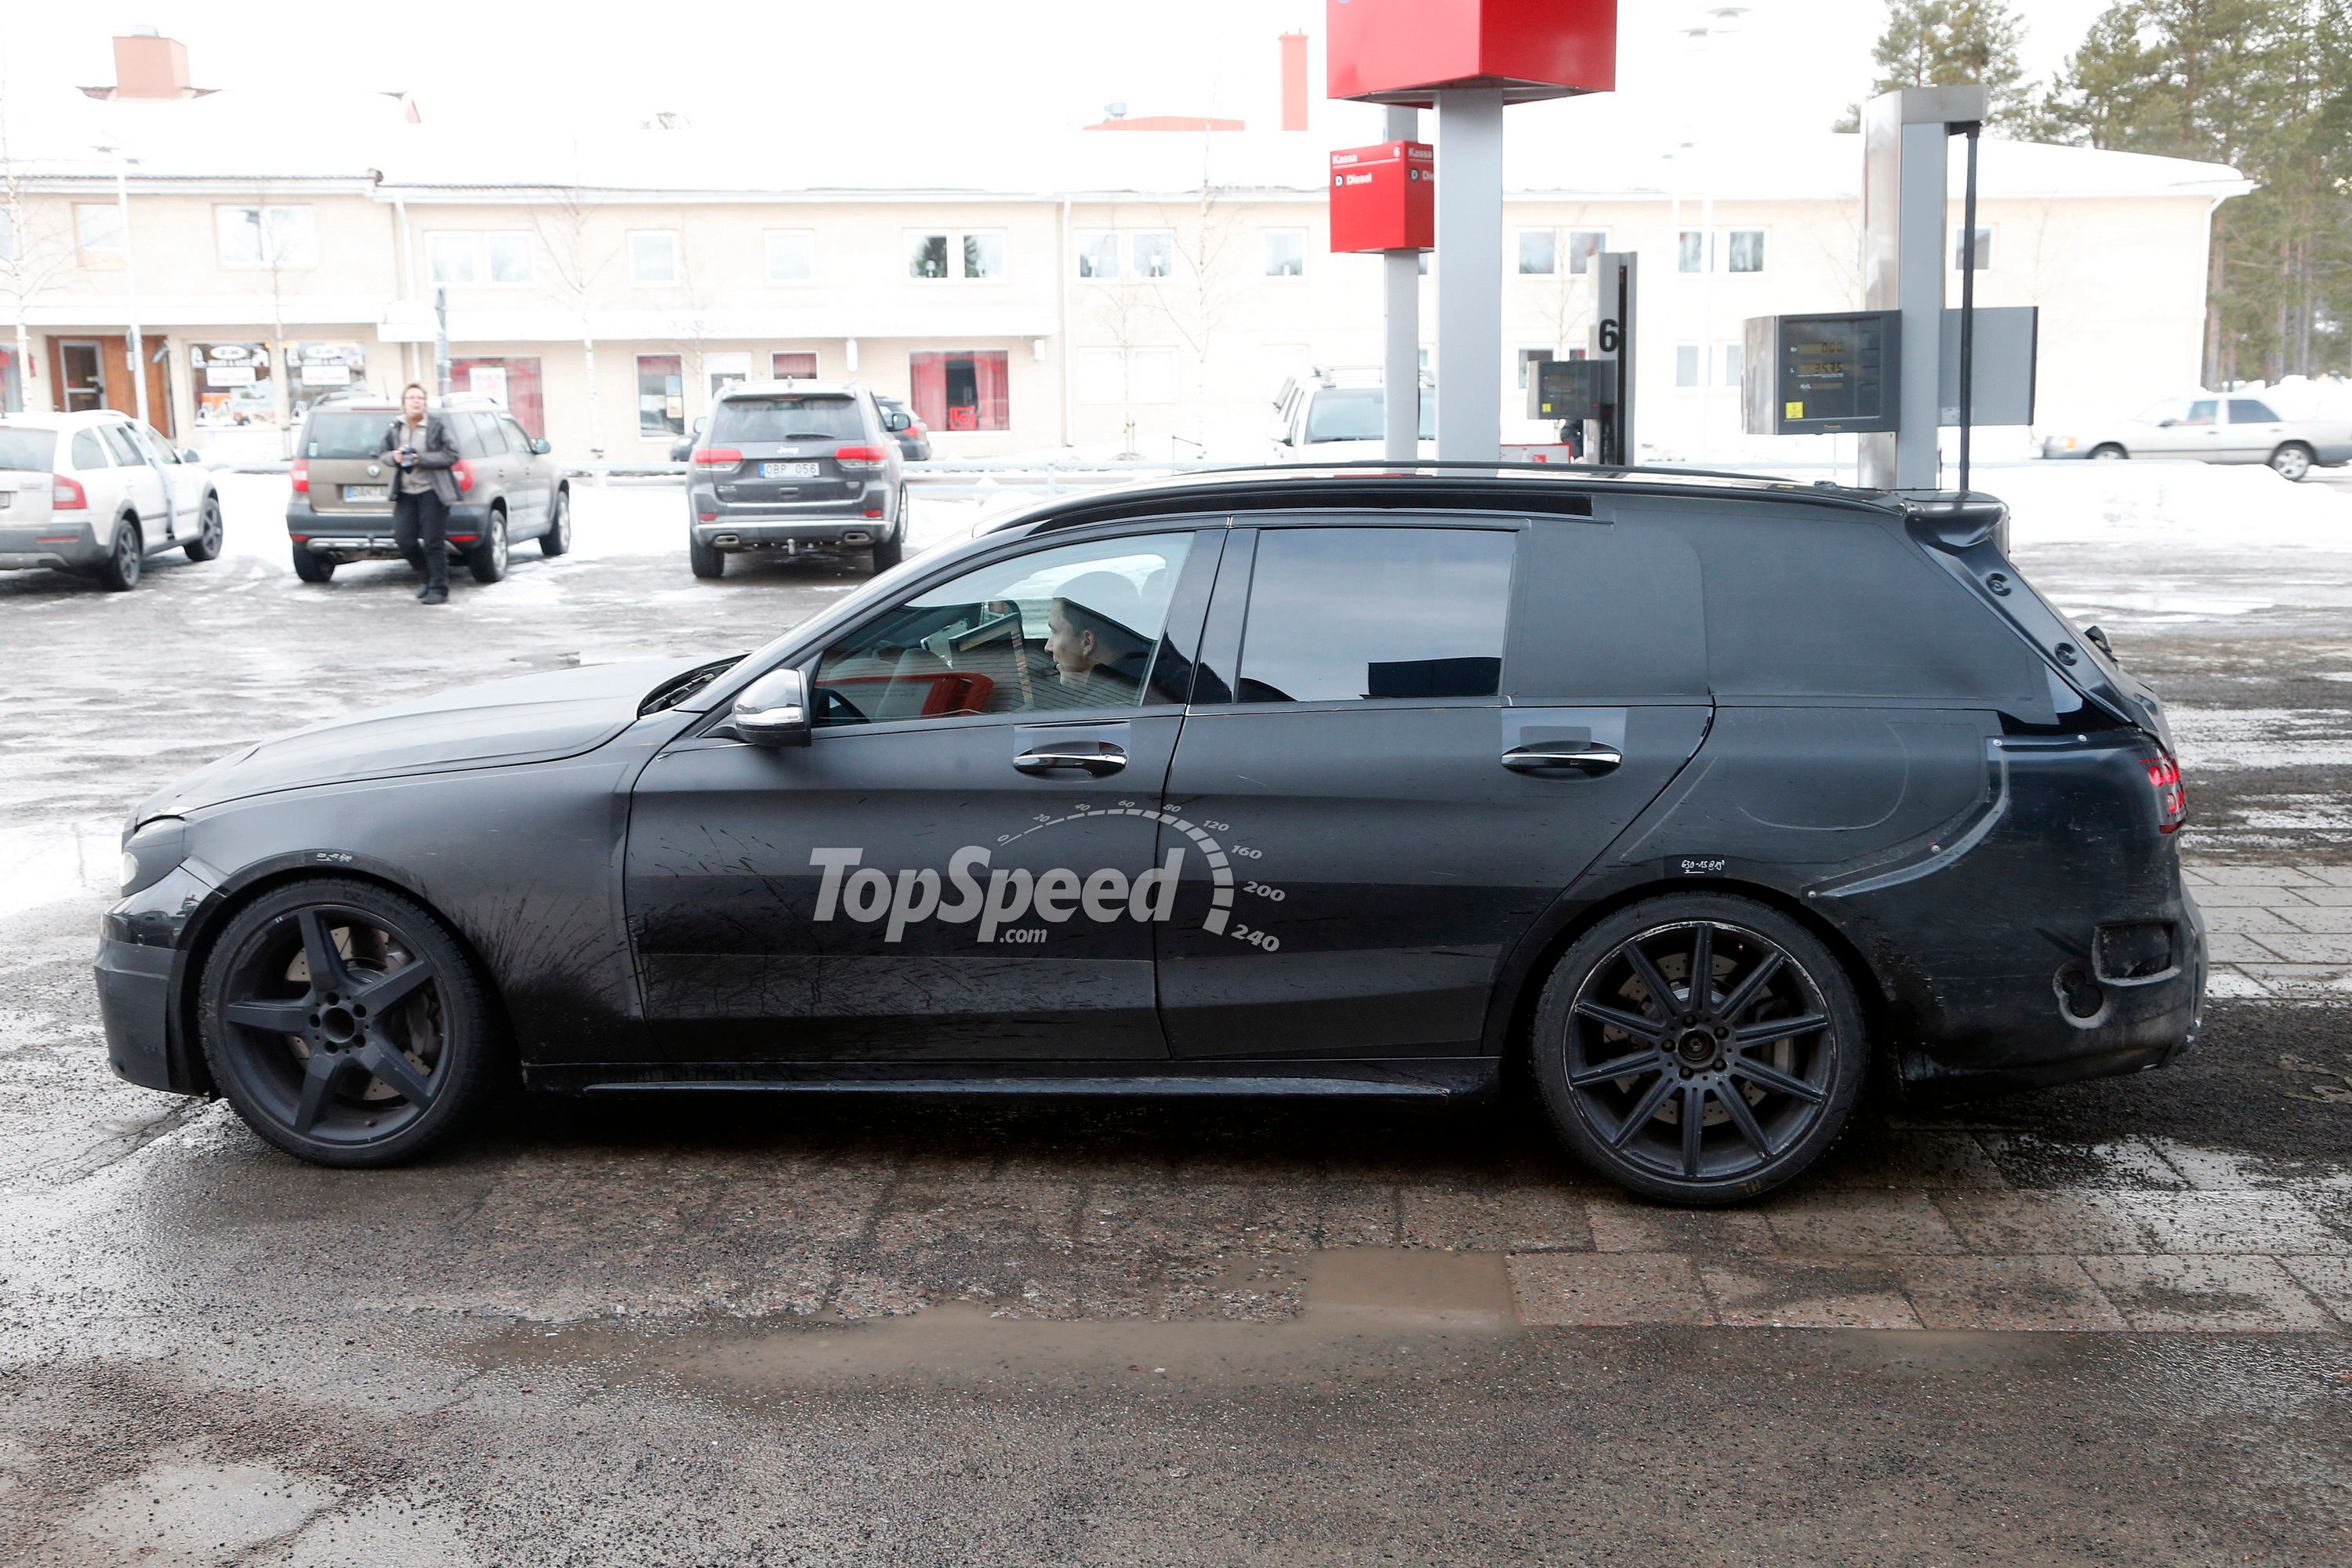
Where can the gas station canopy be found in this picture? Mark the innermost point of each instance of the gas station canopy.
(1404, 51)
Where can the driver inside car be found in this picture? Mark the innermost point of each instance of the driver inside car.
(1098, 656)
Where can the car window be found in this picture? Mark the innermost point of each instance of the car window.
(1354, 414)
(125, 450)
(87, 452)
(2200, 412)
(490, 434)
(1343, 614)
(345, 435)
(758, 419)
(27, 449)
(1074, 627)
(466, 432)
(164, 451)
(517, 437)
(2248, 411)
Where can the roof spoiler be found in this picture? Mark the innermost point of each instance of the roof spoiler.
(1955, 522)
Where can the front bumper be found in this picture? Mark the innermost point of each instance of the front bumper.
(367, 535)
(68, 546)
(2058, 448)
(138, 972)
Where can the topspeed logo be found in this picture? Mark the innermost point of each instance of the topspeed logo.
(867, 893)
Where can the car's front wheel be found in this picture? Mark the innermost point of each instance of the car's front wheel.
(2109, 452)
(1699, 1050)
(206, 545)
(707, 560)
(2291, 461)
(119, 573)
(345, 1024)
(557, 540)
(487, 559)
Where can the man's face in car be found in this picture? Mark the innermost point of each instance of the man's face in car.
(1074, 651)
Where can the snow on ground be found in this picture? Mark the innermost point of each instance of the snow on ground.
(2237, 505)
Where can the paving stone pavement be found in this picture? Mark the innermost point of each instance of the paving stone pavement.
(2280, 932)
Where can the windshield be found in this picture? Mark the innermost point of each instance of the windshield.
(1354, 414)
(346, 435)
(27, 448)
(740, 419)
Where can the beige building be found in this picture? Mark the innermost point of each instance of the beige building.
(1108, 291)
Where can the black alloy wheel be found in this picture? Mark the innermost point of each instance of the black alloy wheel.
(557, 540)
(206, 545)
(345, 1024)
(487, 560)
(1699, 1050)
(121, 571)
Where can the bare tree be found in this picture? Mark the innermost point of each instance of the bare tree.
(1195, 297)
(566, 219)
(37, 243)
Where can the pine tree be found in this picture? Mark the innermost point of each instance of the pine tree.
(1942, 43)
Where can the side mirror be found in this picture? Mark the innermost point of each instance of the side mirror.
(2166, 424)
(540, 445)
(893, 422)
(774, 710)
(700, 422)
(190, 455)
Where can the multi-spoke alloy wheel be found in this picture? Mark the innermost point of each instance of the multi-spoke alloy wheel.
(344, 1023)
(1699, 1050)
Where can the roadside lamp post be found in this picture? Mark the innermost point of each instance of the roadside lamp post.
(138, 345)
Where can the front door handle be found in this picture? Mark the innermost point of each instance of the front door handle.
(1587, 758)
(1096, 759)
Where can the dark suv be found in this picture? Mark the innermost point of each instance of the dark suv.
(1702, 798)
(796, 467)
(508, 488)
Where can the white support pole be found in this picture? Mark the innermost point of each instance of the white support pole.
(136, 345)
(1470, 275)
(1400, 358)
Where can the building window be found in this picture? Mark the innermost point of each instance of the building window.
(267, 236)
(1127, 376)
(1420, 263)
(1734, 360)
(98, 233)
(723, 370)
(792, 366)
(1155, 252)
(791, 255)
(512, 260)
(979, 253)
(1690, 251)
(1687, 365)
(1734, 250)
(661, 395)
(983, 254)
(926, 256)
(1528, 357)
(1538, 252)
(1583, 244)
(451, 256)
(7, 240)
(1984, 250)
(962, 389)
(1743, 251)
(1285, 252)
(652, 255)
(1097, 253)
(1101, 375)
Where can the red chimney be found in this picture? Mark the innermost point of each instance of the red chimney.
(146, 66)
(1293, 81)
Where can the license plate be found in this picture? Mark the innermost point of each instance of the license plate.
(788, 470)
(367, 493)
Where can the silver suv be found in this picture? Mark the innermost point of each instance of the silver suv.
(799, 468)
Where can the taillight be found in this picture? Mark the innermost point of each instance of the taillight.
(67, 495)
(860, 458)
(718, 457)
(2171, 794)
(301, 476)
(464, 472)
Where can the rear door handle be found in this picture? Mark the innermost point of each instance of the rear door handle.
(1096, 759)
(1587, 758)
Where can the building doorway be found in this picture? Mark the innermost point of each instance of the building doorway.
(95, 373)
(81, 375)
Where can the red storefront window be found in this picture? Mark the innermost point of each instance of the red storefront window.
(792, 366)
(962, 389)
(514, 379)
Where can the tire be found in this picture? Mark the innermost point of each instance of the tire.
(487, 560)
(557, 540)
(121, 571)
(206, 545)
(707, 560)
(2109, 452)
(889, 551)
(2291, 461)
(1793, 1091)
(316, 1069)
(312, 568)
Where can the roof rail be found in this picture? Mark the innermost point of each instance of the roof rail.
(1544, 470)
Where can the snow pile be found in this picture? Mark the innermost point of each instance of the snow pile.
(2233, 506)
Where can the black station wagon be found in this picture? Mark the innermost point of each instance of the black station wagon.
(1702, 796)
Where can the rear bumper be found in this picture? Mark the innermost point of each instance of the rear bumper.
(837, 528)
(367, 535)
(64, 545)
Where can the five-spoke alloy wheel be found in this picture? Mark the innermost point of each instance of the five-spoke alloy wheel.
(344, 1023)
(1699, 1050)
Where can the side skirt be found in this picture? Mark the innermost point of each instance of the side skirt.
(1453, 1077)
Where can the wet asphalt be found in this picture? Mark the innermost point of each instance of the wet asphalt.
(928, 1333)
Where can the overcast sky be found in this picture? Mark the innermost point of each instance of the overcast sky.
(958, 65)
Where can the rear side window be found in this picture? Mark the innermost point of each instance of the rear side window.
(31, 449)
(87, 452)
(492, 435)
(1345, 615)
(2247, 411)
(466, 430)
(756, 419)
(119, 442)
(345, 435)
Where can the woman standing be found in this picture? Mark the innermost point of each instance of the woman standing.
(419, 447)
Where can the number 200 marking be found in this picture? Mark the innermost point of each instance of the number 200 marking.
(1265, 891)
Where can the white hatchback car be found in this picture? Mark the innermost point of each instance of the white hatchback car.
(97, 494)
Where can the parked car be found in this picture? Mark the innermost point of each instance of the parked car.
(683, 447)
(1277, 782)
(1334, 415)
(802, 467)
(97, 494)
(914, 436)
(340, 509)
(2214, 427)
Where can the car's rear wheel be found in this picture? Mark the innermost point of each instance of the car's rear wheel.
(2291, 461)
(1700, 1048)
(311, 568)
(557, 540)
(889, 551)
(206, 545)
(707, 560)
(487, 559)
(120, 569)
(345, 1024)
(2109, 452)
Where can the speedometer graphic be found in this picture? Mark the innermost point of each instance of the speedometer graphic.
(1221, 919)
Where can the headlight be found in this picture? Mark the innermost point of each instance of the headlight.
(150, 854)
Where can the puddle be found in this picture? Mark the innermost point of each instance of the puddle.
(1364, 1308)
(51, 862)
